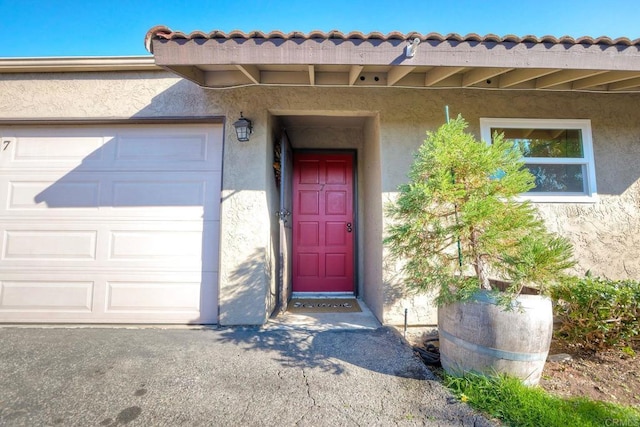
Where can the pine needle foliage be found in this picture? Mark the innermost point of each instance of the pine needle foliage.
(459, 222)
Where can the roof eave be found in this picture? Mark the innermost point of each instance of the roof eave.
(369, 52)
(223, 62)
(78, 64)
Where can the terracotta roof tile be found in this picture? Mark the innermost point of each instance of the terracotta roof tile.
(162, 32)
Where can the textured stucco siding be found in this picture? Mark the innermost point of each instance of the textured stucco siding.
(606, 234)
(100, 95)
(372, 218)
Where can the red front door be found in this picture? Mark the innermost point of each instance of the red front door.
(323, 226)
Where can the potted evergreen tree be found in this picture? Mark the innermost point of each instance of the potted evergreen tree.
(461, 231)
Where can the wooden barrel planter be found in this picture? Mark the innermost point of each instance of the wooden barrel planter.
(479, 336)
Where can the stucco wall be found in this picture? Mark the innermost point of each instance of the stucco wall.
(247, 251)
(606, 234)
(101, 95)
(372, 217)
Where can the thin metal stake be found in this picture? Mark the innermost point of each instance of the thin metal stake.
(453, 179)
(406, 310)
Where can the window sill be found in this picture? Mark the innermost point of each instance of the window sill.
(547, 198)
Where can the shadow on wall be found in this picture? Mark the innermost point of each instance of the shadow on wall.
(238, 304)
(394, 286)
(381, 351)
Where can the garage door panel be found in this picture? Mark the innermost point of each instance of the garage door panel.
(137, 245)
(46, 295)
(184, 195)
(161, 148)
(37, 148)
(135, 193)
(81, 191)
(82, 148)
(49, 245)
(109, 297)
(165, 245)
(188, 148)
(135, 296)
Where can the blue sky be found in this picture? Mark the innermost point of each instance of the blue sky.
(41, 28)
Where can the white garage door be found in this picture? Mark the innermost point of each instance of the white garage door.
(110, 224)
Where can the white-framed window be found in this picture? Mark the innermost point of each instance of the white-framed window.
(558, 152)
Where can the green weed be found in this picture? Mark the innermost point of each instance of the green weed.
(517, 405)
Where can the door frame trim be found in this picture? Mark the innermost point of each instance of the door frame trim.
(356, 228)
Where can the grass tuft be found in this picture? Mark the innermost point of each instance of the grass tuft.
(515, 404)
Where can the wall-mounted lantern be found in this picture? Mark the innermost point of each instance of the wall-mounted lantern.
(243, 128)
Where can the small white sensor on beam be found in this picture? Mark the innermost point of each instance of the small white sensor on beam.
(411, 48)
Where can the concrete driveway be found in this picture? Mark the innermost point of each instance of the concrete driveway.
(218, 377)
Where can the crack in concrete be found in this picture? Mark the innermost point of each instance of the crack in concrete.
(245, 412)
(308, 387)
(343, 410)
(313, 400)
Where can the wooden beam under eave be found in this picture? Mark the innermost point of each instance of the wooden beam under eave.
(226, 78)
(192, 73)
(285, 77)
(396, 74)
(436, 75)
(324, 78)
(516, 77)
(250, 71)
(312, 75)
(354, 73)
(565, 76)
(479, 74)
(604, 79)
(625, 84)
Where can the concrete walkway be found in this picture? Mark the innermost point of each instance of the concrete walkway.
(273, 376)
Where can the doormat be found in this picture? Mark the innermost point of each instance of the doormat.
(323, 305)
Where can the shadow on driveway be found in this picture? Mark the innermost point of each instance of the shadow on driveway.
(223, 377)
(381, 350)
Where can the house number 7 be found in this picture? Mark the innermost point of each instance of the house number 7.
(5, 145)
